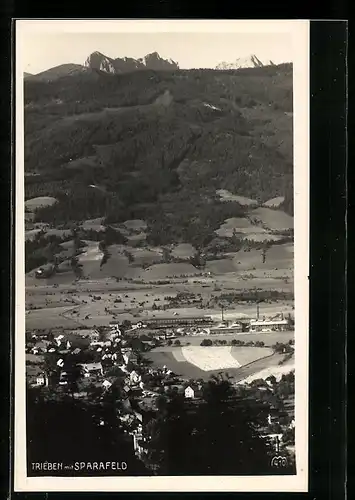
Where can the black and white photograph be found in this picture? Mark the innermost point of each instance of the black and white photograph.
(161, 255)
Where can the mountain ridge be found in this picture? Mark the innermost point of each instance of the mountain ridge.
(251, 61)
(97, 61)
(154, 143)
(62, 70)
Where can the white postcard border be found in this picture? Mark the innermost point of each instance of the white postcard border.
(299, 30)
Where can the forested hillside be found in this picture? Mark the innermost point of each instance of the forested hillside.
(157, 145)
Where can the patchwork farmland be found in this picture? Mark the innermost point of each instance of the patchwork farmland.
(202, 362)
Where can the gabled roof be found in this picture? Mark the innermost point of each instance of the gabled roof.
(139, 416)
(92, 366)
(195, 386)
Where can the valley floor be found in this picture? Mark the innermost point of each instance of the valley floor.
(98, 303)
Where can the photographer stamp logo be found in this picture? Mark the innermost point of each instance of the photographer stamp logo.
(279, 461)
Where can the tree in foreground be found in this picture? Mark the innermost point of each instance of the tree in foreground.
(72, 431)
(217, 436)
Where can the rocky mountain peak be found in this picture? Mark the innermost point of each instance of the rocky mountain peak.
(251, 61)
(153, 61)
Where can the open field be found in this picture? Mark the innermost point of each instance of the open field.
(273, 219)
(117, 263)
(220, 358)
(146, 256)
(183, 251)
(31, 234)
(181, 368)
(267, 371)
(262, 368)
(94, 224)
(274, 202)
(49, 318)
(34, 301)
(210, 358)
(277, 257)
(135, 224)
(242, 200)
(242, 228)
(61, 233)
(137, 301)
(270, 279)
(127, 284)
(145, 264)
(163, 271)
(221, 266)
(133, 239)
(202, 364)
(90, 260)
(245, 228)
(39, 202)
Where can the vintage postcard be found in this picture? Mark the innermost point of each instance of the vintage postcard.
(161, 255)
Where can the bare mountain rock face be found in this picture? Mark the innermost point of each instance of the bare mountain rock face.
(153, 61)
(98, 61)
(251, 61)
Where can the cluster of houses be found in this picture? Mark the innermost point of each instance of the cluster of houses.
(278, 419)
(110, 350)
(97, 352)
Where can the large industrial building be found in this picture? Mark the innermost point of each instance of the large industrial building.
(174, 322)
(263, 325)
(227, 328)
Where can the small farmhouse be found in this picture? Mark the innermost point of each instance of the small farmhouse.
(192, 391)
(189, 392)
(92, 369)
(42, 379)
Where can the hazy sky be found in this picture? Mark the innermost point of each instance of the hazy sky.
(42, 50)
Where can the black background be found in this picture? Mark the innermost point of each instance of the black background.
(327, 386)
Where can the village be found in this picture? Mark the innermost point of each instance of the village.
(90, 363)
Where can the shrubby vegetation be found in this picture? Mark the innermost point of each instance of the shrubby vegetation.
(45, 249)
(216, 436)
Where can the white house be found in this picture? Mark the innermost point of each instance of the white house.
(134, 377)
(99, 343)
(92, 369)
(189, 392)
(107, 384)
(63, 378)
(126, 357)
(60, 363)
(193, 391)
(42, 379)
